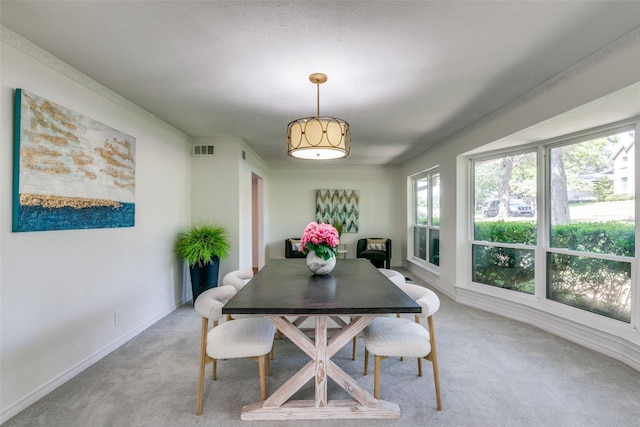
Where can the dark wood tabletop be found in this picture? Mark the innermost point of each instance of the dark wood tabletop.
(286, 286)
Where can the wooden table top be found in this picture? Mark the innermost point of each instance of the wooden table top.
(286, 286)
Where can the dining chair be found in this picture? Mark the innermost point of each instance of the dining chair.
(377, 250)
(397, 278)
(239, 338)
(237, 279)
(393, 336)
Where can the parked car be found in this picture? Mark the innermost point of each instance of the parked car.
(491, 207)
(518, 208)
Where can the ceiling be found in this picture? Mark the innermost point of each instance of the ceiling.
(405, 74)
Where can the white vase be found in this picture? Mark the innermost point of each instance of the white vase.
(319, 265)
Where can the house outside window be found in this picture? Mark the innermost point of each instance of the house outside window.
(426, 219)
(550, 222)
(623, 162)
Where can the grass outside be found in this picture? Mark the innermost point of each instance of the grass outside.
(621, 211)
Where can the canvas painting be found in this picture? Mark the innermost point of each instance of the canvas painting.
(70, 171)
(341, 206)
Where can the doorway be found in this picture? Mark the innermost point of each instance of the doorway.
(257, 223)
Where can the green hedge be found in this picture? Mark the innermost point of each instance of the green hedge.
(597, 285)
(523, 232)
(596, 237)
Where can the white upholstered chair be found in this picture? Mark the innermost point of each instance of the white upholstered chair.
(398, 279)
(237, 279)
(252, 338)
(395, 276)
(391, 336)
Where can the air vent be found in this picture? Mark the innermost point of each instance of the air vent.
(204, 150)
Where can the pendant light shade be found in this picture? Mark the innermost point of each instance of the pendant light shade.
(318, 138)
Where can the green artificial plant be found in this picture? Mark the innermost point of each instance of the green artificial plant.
(200, 243)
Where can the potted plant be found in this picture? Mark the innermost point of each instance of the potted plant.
(203, 245)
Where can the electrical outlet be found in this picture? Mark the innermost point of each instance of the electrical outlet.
(116, 318)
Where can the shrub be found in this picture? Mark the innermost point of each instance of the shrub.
(597, 285)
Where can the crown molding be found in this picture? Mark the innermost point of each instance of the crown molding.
(25, 46)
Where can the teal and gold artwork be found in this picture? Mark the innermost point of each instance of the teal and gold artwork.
(338, 206)
(70, 171)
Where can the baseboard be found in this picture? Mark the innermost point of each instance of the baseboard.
(625, 348)
(47, 388)
(615, 346)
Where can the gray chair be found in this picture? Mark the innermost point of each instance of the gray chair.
(392, 336)
(251, 338)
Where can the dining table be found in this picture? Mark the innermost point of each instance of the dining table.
(285, 290)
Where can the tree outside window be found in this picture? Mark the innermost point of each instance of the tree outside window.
(589, 236)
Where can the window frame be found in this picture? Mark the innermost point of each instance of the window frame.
(494, 155)
(430, 228)
(543, 247)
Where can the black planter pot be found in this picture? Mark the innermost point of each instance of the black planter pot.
(205, 277)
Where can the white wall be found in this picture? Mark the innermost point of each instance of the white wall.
(221, 192)
(601, 89)
(292, 202)
(60, 289)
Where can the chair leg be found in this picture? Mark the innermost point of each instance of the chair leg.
(203, 356)
(376, 376)
(355, 347)
(263, 380)
(269, 364)
(434, 361)
(419, 366)
(214, 374)
(366, 361)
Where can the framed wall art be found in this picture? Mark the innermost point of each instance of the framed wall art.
(69, 171)
(340, 206)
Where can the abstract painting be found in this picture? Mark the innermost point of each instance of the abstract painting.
(69, 171)
(341, 206)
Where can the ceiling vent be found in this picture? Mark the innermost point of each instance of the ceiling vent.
(204, 150)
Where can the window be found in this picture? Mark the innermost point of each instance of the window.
(592, 244)
(426, 218)
(504, 222)
(582, 239)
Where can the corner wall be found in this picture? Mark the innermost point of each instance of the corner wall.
(600, 89)
(59, 290)
(222, 193)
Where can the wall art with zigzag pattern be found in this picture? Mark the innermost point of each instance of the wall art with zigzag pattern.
(342, 206)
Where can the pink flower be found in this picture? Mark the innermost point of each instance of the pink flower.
(319, 235)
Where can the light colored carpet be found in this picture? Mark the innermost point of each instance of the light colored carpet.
(494, 372)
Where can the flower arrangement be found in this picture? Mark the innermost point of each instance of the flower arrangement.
(323, 239)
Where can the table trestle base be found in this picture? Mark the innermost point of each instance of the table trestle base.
(335, 409)
(363, 405)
